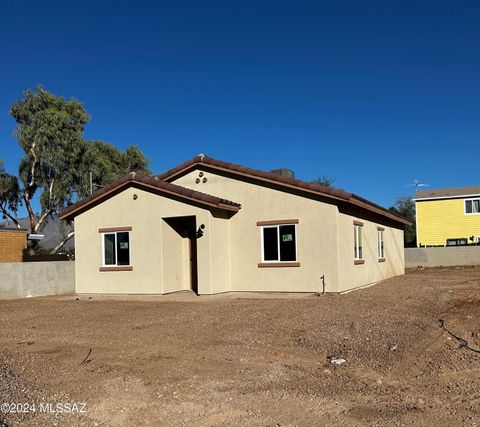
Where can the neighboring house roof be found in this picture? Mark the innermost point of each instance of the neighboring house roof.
(151, 183)
(283, 181)
(448, 193)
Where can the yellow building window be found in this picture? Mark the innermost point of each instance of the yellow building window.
(472, 206)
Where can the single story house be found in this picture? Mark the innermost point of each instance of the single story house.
(212, 226)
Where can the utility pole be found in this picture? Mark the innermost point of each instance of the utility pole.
(91, 183)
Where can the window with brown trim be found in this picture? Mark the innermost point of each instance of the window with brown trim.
(116, 249)
(381, 244)
(357, 241)
(279, 243)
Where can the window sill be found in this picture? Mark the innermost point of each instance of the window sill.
(278, 264)
(123, 268)
(114, 229)
(381, 259)
(278, 222)
(358, 261)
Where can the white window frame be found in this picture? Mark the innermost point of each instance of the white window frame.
(457, 239)
(465, 206)
(262, 248)
(116, 254)
(381, 244)
(356, 245)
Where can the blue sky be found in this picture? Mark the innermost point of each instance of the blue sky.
(373, 93)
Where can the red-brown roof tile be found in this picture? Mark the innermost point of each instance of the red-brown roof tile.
(150, 182)
(328, 192)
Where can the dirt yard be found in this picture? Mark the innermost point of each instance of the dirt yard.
(252, 361)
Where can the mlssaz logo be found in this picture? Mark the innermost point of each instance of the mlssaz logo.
(67, 407)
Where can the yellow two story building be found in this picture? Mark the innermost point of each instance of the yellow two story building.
(448, 217)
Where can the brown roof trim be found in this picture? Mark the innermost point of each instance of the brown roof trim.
(253, 173)
(331, 193)
(148, 182)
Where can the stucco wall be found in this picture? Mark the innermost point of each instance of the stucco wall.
(32, 279)
(229, 252)
(152, 246)
(324, 240)
(442, 256)
(316, 235)
(352, 276)
(174, 256)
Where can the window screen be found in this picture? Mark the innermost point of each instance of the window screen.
(123, 248)
(287, 243)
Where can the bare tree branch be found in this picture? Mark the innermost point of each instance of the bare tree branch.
(31, 215)
(65, 240)
(34, 164)
(12, 218)
(42, 220)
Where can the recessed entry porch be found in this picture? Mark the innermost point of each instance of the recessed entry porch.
(176, 239)
(179, 248)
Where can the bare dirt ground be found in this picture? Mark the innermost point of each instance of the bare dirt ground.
(251, 361)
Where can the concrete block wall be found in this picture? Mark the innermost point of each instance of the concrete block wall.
(442, 256)
(34, 279)
(12, 244)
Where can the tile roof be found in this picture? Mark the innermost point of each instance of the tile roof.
(145, 181)
(447, 193)
(332, 193)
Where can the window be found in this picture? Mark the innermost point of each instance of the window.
(381, 248)
(279, 243)
(116, 249)
(472, 206)
(358, 251)
(456, 242)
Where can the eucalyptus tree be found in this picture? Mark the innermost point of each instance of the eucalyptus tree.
(9, 195)
(57, 159)
(103, 163)
(405, 206)
(50, 132)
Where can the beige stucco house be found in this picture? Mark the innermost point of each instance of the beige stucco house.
(211, 226)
